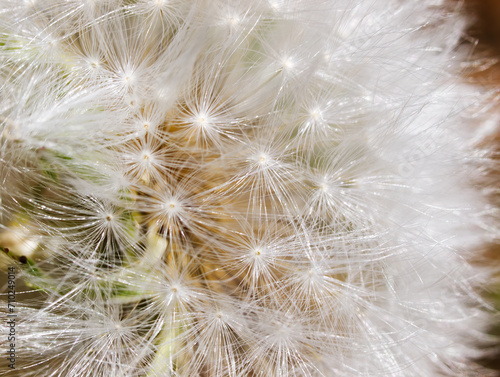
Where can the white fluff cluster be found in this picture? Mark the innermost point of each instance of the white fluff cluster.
(214, 188)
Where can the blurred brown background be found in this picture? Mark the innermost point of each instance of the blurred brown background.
(487, 25)
(485, 31)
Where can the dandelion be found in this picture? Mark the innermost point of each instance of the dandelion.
(234, 188)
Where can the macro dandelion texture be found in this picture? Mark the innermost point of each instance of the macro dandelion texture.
(212, 188)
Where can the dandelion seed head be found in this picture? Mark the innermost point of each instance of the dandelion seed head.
(288, 63)
(257, 252)
(262, 159)
(203, 120)
(315, 114)
(323, 186)
(233, 20)
(233, 188)
(30, 3)
(173, 206)
(160, 3)
(128, 79)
